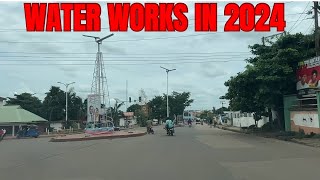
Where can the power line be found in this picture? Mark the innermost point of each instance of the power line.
(123, 56)
(146, 54)
(87, 64)
(177, 59)
(308, 28)
(300, 16)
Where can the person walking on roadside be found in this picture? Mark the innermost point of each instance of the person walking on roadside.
(149, 126)
(2, 133)
(210, 122)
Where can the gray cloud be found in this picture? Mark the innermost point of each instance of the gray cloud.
(203, 80)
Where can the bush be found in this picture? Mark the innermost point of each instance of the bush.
(312, 134)
(267, 127)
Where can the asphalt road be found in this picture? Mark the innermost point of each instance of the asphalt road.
(198, 153)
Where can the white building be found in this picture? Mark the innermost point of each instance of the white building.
(2, 101)
(122, 122)
(239, 119)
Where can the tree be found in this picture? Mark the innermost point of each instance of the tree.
(28, 102)
(178, 102)
(158, 107)
(133, 108)
(221, 110)
(54, 105)
(141, 117)
(116, 113)
(271, 73)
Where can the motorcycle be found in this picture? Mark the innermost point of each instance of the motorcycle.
(170, 132)
(150, 130)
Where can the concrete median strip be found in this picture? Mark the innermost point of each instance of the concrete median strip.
(84, 137)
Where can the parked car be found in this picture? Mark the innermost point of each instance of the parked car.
(198, 121)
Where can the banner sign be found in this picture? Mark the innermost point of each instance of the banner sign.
(308, 77)
(94, 108)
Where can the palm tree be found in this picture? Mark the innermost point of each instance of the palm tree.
(116, 113)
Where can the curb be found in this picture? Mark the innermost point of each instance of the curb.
(15, 138)
(99, 137)
(281, 139)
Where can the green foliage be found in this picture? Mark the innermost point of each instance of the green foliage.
(177, 104)
(141, 118)
(54, 105)
(134, 108)
(158, 107)
(116, 113)
(271, 73)
(28, 102)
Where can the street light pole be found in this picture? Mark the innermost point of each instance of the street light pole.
(66, 84)
(167, 70)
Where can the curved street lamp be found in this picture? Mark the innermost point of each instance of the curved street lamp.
(66, 85)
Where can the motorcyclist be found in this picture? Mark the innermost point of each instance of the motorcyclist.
(169, 124)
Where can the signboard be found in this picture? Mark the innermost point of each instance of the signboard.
(308, 77)
(94, 108)
(128, 114)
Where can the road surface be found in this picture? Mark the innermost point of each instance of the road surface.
(197, 153)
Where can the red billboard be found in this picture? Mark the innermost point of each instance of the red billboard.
(308, 74)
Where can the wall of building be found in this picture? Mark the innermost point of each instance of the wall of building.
(123, 121)
(2, 103)
(58, 126)
(308, 121)
(248, 121)
(188, 115)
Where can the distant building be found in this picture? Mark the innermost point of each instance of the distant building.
(190, 114)
(11, 117)
(240, 119)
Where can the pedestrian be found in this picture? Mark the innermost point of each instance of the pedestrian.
(210, 122)
(2, 133)
(149, 126)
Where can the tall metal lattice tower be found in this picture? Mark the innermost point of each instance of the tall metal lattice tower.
(99, 82)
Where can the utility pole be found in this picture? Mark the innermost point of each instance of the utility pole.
(126, 95)
(316, 25)
(66, 84)
(167, 70)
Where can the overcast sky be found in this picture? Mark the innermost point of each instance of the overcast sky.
(131, 56)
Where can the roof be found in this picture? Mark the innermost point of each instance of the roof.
(16, 114)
